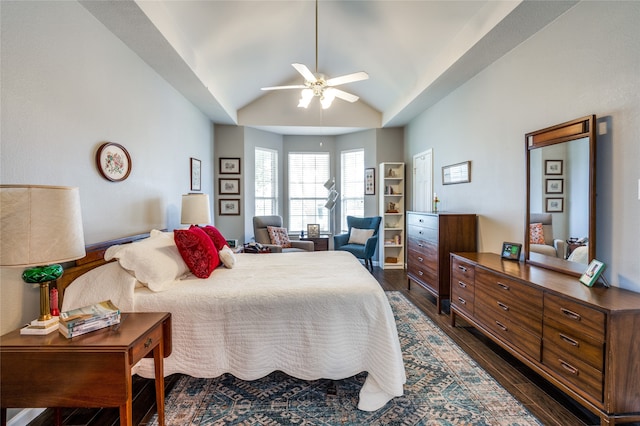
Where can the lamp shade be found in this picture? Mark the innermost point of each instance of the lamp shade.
(40, 225)
(195, 209)
(330, 184)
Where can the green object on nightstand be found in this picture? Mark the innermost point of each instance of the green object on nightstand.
(42, 273)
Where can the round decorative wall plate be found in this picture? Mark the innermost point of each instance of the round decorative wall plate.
(113, 161)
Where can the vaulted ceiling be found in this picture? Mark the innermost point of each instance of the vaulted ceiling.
(219, 54)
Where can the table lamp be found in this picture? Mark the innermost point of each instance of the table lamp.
(195, 209)
(40, 227)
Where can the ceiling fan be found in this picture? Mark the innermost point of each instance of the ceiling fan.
(316, 85)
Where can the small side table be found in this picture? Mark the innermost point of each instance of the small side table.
(319, 243)
(92, 370)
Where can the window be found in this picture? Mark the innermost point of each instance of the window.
(352, 185)
(307, 195)
(266, 182)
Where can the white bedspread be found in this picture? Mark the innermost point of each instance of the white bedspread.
(310, 315)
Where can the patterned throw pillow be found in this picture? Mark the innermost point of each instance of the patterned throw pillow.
(197, 250)
(536, 233)
(279, 236)
(216, 236)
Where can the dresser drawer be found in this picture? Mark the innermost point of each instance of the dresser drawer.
(424, 255)
(462, 271)
(423, 275)
(574, 345)
(582, 376)
(574, 316)
(518, 302)
(422, 221)
(512, 333)
(425, 234)
(462, 295)
(422, 246)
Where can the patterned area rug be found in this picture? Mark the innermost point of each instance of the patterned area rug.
(444, 387)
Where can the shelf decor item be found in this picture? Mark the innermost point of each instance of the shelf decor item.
(313, 230)
(113, 161)
(41, 227)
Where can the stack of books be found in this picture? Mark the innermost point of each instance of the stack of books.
(77, 322)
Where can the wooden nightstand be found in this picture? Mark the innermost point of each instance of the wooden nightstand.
(92, 370)
(319, 243)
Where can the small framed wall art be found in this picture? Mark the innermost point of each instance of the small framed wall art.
(229, 186)
(456, 173)
(229, 207)
(196, 174)
(555, 205)
(370, 181)
(553, 167)
(113, 161)
(229, 166)
(554, 186)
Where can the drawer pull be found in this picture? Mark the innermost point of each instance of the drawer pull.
(503, 286)
(462, 268)
(570, 368)
(501, 325)
(148, 343)
(420, 220)
(569, 340)
(571, 314)
(420, 245)
(420, 273)
(420, 259)
(503, 306)
(420, 232)
(461, 284)
(461, 300)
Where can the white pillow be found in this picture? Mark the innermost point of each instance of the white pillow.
(154, 261)
(359, 236)
(227, 256)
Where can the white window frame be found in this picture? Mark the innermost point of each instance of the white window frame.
(306, 193)
(351, 185)
(266, 183)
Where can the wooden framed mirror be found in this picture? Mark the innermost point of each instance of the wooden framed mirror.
(560, 213)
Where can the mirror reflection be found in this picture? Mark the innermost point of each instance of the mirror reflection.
(559, 201)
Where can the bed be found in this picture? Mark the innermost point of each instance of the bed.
(311, 315)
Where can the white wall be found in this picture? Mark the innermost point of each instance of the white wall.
(68, 85)
(586, 62)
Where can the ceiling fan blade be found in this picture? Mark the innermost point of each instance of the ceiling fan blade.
(344, 95)
(302, 69)
(296, 86)
(349, 78)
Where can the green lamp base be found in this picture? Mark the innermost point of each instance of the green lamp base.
(43, 275)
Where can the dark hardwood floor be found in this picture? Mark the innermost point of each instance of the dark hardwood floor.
(548, 404)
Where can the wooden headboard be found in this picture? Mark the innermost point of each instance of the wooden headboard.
(93, 259)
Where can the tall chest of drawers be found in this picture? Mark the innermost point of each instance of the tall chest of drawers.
(430, 239)
(586, 341)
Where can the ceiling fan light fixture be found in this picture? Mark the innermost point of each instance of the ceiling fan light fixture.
(305, 98)
(327, 98)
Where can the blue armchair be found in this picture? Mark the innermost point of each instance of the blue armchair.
(355, 242)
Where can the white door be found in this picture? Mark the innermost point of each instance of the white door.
(423, 181)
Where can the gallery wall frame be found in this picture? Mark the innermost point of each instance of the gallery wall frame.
(554, 186)
(229, 207)
(113, 161)
(554, 205)
(553, 167)
(228, 186)
(229, 166)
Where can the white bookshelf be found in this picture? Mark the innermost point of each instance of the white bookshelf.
(391, 239)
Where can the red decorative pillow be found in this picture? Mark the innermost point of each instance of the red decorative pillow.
(536, 233)
(279, 236)
(216, 236)
(197, 250)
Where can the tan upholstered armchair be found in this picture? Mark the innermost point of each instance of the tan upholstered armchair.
(550, 246)
(261, 235)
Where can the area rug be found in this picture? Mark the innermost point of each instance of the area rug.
(444, 387)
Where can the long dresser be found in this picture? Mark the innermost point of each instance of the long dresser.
(430, 239)
(584, 340)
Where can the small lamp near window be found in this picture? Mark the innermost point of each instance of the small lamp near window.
(195, 209)
(41, 226)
